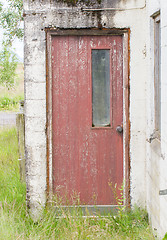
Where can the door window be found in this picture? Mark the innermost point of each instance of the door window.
(100, 87)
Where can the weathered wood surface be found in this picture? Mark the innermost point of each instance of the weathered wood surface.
(21, 142)
(85, 158)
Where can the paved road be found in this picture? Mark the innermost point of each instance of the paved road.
(7, 119)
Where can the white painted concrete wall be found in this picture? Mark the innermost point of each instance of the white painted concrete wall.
(136, 21)
(157, 150)
(42, 14)
(163, 160)
(35, 113)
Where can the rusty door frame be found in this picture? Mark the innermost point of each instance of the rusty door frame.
(125, 33)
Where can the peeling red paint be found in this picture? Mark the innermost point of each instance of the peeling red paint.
(85, 159)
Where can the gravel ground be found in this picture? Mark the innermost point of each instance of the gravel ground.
(7, 119)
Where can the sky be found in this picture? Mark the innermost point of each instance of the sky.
(17, 44)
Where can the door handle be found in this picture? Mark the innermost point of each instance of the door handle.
(119, 129)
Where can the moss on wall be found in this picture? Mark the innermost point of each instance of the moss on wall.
(84, 2)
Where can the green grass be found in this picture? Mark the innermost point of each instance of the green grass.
(15, 223)
(9, 98)
(10, 103)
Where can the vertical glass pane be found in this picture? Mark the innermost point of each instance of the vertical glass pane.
(101, 87)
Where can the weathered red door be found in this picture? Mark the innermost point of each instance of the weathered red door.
(87, 107)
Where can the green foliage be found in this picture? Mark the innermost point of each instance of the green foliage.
(165, 237)
(10, 103)
(120, 199)
(11, 19)
(8, 65)
(11, 189)
(15, 222)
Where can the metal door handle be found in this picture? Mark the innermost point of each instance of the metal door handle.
(119, 129)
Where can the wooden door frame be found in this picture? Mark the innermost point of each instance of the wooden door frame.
(125, 33)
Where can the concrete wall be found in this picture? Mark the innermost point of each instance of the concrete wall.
(43, 14)
(157, 149)
(163, 160)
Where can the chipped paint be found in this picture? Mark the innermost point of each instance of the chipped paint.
(50, 16)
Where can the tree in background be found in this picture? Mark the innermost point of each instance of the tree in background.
(8, 65)
(11, 18)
